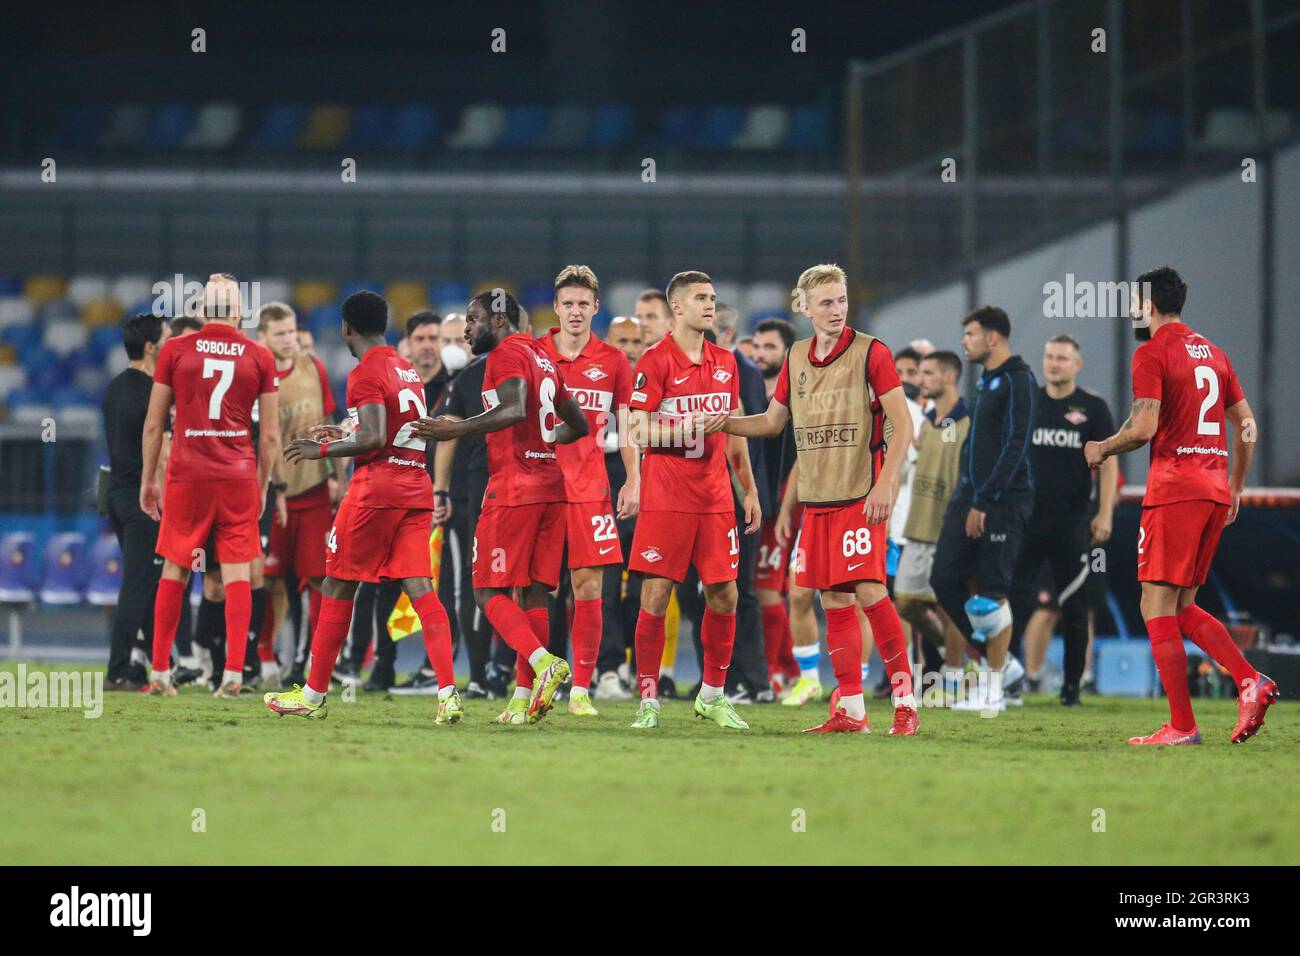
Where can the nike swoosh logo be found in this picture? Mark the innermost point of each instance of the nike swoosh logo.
(1140, 563)
(606, 550)
(678, 381)
(854, 567)
(734, 565)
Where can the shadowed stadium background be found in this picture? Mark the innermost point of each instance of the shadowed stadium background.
(778, 135)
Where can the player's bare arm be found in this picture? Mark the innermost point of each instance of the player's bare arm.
(767, 425)
(738, 457)
(268, 452)
(443, 456)
(785, 516)
(629, 496)
(160, 403)
(573, 421)
(654, 432)
(1138, 429)
(1244, 437)
(880, 501)
(510, 410)
(1107, 493)
(371, 434)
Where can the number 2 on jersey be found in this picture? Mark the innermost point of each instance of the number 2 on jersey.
(407, 398)
(1205, 378)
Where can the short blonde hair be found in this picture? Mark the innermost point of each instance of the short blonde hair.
(817, 275)
(273, 312)
(581, 276)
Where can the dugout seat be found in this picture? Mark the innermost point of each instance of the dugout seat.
(765, 128)
(281, 125)
(566, 127)
(720, 126)
(414, 127)
(19, 573)
(215, 126)
(127, 127)
(171, 124)
(524, 126)
(481, 125)
(83, 126)
(105, 572)
(67, 569)
(325, 128)
(371, 127)
(610, 126)
(809, 129)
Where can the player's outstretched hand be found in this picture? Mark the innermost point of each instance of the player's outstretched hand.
(629, 501)
(441, 428)
(1092, 454)
(879, 503)
(151, 500)
(302, 449)
(712, 424)
(753, 513)
(326, 433)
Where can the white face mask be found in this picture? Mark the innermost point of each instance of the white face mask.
(454, 357)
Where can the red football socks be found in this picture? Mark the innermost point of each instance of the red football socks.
(239, 612)
(776, 632)
(717, 638)
(844, 640)
(437, 636)
(887, 629)
(265, 639)
(584, 632)
(166, 616)
(1171, 662)
(1205, 631)
(649, 652)
(313, 609)
(331, 632)
(512, 624)
(539, 622)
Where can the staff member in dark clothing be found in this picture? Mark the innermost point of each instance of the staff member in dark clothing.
(984, 523)
(1059, 531)
(126, 400)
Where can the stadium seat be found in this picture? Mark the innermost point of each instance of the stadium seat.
(360, 285)
(19, 572)
(524, 125)
(371, 127)
(809, 129)
(45, 288)
(1124, 668)
(16, 310)
(406, 298)
(611, 126)
(536, 295)
(728, 292)
(100, 312)
(67, 569)
(489, 284)
(311, 293)
(720, 125)
(679, 125)
(11, 377)
(171, 124)
(326, 126)
(105, 572)
(481, 126)
(128, 290)
(324, 320)
(621, 297)
(765, 128)
(449, 296)
(62, 338)
(765, 297)
(10, 285)
(83, 126)
(128, 127)
(58, 310)
(542, 319)
(273, 289)
(83, 288)
(566, 127)
(415, 127)
(215, 126)
(280, 127)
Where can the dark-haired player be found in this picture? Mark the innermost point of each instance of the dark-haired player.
(1185, 391)
(214, 477)
(519, 539)
(381, 531)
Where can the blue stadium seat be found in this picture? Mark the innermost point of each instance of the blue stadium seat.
(67, 569)
(809, 128)
(449, 296)
(280, 126)
(721, 124)
(611, 126)
(171, 124)
(680, 125)
(600, 322)
(44, 370)
(524, 126)
(372, 127)
(536, 295)
(70, 395)
(324, 320)
(23, 338)
(360, 285)
(415, 127)
(103, 340)
(19, 572)
(83, 125)
(11, 285)
(105, 572)
(1154, 132)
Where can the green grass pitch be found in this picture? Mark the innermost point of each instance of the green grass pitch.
(378, 783)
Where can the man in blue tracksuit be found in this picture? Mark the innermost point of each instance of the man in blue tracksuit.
(985, 521)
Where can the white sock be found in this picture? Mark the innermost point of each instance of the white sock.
(232, 677)
(809, 660)
(523, 693)
(577, 691)
(165, 677)
(313, 697)
(906, 701)
(854, 705)
(445, 692)
(536, 656)
(666, 672)
(709, 692)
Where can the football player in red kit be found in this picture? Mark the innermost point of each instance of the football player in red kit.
(688, 514)
(519, 539)
(214, 477)
(840, 389)
(382, 528)
(599, 378)
(1185, 392)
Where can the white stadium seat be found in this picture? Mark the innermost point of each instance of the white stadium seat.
(480, 126)
(765, 128)
(620, 297)
(63, 338)
(215, 127)
(16, 310)
(129, 290)
(86, 288)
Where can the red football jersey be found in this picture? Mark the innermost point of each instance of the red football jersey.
(1194, 382)
(393, 476)
(670, 384)
(600, 380)
(216, 375)
(522, 464)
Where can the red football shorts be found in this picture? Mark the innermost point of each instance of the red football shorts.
(1176, 542)
(667, 542)
(592, 534)
(299, 545)
(838, 549)
(375, 544)
(225, 509)
(773, 572)
(517, 545)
